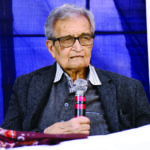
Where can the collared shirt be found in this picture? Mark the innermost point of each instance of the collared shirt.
(92, 77)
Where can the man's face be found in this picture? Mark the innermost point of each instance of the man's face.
(76, 57)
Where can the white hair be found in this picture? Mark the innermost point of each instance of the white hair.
(63, 12)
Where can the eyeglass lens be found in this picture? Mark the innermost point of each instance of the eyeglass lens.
(69, 40)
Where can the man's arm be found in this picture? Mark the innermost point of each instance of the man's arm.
(14, 116)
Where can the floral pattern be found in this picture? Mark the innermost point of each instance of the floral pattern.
(12, 138)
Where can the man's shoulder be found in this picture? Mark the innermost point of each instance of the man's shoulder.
(116, 78)
(44, 71)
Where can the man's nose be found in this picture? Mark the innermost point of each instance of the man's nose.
(77, 46)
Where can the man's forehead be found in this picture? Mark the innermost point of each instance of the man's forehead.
(72, 26)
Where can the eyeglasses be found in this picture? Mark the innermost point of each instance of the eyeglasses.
(68, 41)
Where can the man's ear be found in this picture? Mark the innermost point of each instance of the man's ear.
(51, 49)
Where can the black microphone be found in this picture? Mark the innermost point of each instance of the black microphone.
(80, 86)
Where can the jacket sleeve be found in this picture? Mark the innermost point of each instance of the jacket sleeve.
(142, 107)
(17, 106)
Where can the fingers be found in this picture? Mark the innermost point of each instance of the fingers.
(85, 127)
(84, 120)
(80, 125)
(85, 132)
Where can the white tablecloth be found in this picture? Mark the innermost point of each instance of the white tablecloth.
(134, 139)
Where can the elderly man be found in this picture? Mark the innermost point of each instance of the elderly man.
(44, 99)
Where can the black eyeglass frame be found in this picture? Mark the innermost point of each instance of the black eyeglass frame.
(75, 38)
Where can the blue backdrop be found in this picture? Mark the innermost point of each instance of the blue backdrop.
(120, 44)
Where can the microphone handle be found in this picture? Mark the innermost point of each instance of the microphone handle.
(80, 104)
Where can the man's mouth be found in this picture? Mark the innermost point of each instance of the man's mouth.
(76, 57)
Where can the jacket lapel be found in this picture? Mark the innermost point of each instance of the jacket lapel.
(39, 91)
(107, 93)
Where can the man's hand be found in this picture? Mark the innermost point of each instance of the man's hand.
(79, 125)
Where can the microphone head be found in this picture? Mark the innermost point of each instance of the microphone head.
(80, 85)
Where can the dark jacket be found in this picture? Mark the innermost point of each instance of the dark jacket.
(124, 101)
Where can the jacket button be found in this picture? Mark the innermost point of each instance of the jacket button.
(66, 104)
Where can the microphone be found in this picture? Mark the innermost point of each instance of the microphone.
(80, 87)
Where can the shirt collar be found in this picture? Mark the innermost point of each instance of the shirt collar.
(92, 77)
(59, 73)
